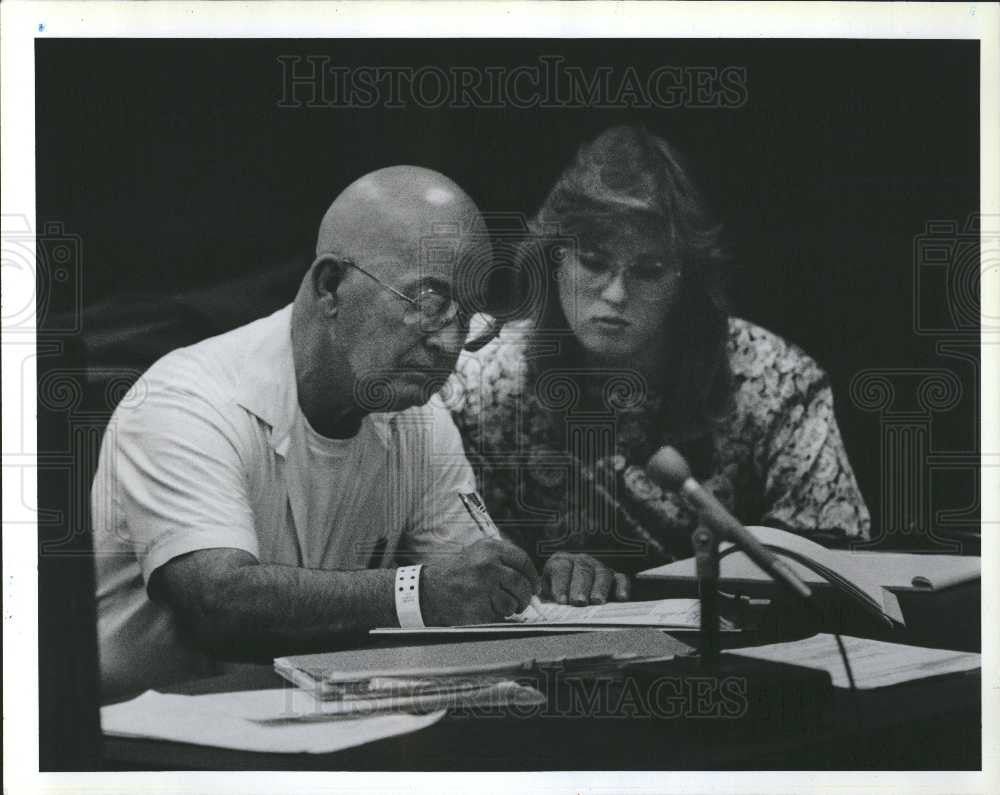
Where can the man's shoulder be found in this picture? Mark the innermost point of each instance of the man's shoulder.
(211, 371)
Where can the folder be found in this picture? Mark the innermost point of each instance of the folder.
(899, 572)
(336, 674)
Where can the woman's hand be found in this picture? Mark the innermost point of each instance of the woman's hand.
(581, 579)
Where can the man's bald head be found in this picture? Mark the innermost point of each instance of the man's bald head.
(395, 208)
(420, 236)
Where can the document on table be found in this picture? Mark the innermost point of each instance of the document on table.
(665, 614)
(218, 720)
(659, 612)
(874, 663)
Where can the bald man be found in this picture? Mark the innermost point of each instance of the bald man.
(256, 491)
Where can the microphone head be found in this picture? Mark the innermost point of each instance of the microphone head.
(667, 468)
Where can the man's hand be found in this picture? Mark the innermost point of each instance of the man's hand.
(581, 579)
(485, 582)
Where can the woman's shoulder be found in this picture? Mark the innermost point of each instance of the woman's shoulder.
(770, 375)
(754, 351)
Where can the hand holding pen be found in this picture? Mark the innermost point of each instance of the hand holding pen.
(480, 583)
(484, 522)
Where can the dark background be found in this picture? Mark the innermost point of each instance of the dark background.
(170, 168)
(174, 163)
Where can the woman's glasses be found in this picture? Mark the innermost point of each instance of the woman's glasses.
(595, 269)
(429, 308)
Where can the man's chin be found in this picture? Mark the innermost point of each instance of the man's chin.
(398, 391)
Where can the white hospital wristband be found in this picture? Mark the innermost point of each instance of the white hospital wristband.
(408, 597)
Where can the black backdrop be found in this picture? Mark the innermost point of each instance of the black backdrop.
(176, 166)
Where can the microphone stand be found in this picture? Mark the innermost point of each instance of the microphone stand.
(706, 557)
(668, 468)
(789, 684)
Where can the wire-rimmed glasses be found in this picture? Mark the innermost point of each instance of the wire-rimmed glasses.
(429, 308)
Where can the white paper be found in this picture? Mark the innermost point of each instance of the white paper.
(874, 663)
(210, 720)
(665, 614)
(293, 704)
(658, 612)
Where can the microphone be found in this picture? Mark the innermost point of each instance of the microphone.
(668, 469)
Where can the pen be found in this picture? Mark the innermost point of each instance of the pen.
(481, 517)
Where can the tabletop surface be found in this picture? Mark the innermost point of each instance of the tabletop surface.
(666, 717)
(638, 724)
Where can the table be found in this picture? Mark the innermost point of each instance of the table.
(932, 724)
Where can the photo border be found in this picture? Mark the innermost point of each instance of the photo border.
(23, 23)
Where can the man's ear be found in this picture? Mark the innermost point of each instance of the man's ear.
(326, 276)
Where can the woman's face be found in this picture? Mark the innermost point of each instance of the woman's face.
(617, 286)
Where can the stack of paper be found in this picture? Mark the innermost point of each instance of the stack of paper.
(399, 697)
(445, 669)
(874, 663)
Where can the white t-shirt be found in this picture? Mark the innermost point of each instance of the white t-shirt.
(333, 469)
(209, 449)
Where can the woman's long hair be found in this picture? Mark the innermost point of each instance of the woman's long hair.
(626, 170)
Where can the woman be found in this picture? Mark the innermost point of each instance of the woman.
(631, 348)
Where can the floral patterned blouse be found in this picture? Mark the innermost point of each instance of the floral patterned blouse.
(562, 467)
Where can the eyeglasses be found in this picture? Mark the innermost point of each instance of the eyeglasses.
(429, 308)
(594, 270)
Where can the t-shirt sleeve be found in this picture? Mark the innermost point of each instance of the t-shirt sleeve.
(440, 523)
(177, 478)
(809, 486)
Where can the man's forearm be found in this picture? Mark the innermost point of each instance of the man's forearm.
(268, 610)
